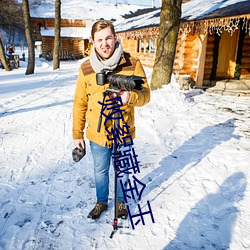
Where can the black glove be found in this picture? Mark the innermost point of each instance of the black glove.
(78, 153)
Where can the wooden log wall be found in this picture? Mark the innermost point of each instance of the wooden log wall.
(209, 57)
(190, 56)
(146, 59)
(79, 46)
(131, 46)
(47, 45)
(50, 22)
(73, 45)
(178, 61)
(66, 44)
(186, 55)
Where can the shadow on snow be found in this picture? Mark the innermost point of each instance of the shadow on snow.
(210, 223)
(22, 110)
(190, 153)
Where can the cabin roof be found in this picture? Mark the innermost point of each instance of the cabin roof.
(208, 9)
(140, 21)
(77, 32)
(193, 10)
(85, 10)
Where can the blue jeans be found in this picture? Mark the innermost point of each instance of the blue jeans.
(102, 157)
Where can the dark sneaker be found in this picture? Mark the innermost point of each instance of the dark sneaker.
(97, 210)
(122, 211)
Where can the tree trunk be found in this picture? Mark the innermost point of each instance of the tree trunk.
(56, 59)
(168, 34)
(28, 33)
(3, 57)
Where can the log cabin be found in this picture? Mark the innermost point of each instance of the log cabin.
(74, 37)
(77, 17)
(213, 41)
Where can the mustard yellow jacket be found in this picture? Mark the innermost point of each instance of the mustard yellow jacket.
(86, 109)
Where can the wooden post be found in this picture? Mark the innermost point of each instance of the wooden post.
(201, 60)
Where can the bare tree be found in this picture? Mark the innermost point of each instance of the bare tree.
(36, 3)
(3, 57)
(168, 34)
(56, 59)
(11, 17)
(28, 33)
(11, 24)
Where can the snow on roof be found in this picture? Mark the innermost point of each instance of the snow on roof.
(145, 20)
(85, 10)
(192, 10)
(197, 9)
(79, 32)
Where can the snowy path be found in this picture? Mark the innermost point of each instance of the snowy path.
(194, 152)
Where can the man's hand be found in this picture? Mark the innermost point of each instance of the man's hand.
(79, 151)
(79, 143)
(125, 95)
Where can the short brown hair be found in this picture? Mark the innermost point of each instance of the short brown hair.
(101, 24)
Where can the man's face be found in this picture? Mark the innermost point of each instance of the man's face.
(104, 42)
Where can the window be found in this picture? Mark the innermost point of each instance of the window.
(146, 45)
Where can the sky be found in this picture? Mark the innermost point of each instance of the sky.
(193, 148)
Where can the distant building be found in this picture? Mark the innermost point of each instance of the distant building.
(75, 36)
(77, 19)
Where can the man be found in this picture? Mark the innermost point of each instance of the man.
(107, 54)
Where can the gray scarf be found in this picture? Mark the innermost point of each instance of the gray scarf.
(98, 64)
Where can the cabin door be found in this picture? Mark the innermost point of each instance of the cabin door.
(227, 55)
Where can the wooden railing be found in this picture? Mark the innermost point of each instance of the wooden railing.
(63, 55)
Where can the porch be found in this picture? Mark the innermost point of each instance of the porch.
(231, 87)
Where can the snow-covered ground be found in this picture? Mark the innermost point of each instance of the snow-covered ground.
(194, 153)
